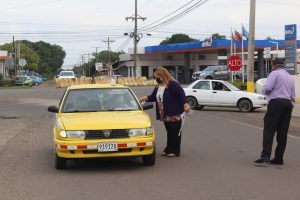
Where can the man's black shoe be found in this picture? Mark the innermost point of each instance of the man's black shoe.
(262, 160)
(276, 162)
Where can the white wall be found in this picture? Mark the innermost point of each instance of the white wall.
(3, 53)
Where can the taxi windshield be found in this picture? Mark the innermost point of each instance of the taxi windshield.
(99, 99)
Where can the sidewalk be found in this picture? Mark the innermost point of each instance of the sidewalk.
(296, 110)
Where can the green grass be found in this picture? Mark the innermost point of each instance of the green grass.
(16, 87)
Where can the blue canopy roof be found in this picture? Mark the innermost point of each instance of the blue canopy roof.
(208, 45)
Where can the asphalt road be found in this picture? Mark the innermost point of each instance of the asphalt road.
(218, 148)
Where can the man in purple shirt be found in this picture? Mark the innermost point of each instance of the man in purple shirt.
(280, 92)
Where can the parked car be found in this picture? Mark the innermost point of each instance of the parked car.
(23, 80)
(259, 85)
(212, 72)
(36, 80)
(125, 129)
(117, 76)
(66, 74)
(220, 73)
(222, 93)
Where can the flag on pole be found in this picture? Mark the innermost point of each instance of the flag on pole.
(238, 36)
(245, 32)
(233, 36)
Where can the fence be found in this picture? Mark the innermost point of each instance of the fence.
(128, 81)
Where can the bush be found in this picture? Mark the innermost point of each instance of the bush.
(1, 77)
(6, 83)
(240, 84)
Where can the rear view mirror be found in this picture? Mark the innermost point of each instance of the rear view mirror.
(147, 106)
(53, 109)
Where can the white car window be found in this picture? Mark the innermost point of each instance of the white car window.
(202, 85)
(219, 86)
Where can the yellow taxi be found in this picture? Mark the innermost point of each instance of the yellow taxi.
(102, 120)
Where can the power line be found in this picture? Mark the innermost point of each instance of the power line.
(29, 5)
(194, 6)
(168, 14)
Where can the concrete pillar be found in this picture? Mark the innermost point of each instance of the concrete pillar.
(260, 64)
(186, 69)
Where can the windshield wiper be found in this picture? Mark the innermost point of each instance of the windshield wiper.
(116, 109)
(75, 111)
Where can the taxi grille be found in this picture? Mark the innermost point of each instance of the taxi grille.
(103, 134)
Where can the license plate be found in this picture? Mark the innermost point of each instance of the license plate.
(107, 146)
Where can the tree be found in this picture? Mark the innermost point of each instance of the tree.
(178, 38)
(269, 38)
(41, 57)
(31, 57)
(217, 36)
(102, 57)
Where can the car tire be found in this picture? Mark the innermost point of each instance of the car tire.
(36, 84)
(199, 107)
(60, 163)
(245, 105)
(149, 160)
(193, 102)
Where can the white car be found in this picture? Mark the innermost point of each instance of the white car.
(222, 93)
(66, 74)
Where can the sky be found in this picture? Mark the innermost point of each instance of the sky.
(81, 25)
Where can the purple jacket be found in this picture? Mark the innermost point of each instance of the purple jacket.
(173, 99)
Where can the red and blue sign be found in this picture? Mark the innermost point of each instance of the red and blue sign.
(290, 32)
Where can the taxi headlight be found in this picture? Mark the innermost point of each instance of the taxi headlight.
(140, 132)
(62, 133)
(75, 134)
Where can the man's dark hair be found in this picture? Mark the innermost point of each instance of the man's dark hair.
(278, 61)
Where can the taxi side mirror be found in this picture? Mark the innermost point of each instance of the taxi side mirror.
(147, 106)
(53, 109)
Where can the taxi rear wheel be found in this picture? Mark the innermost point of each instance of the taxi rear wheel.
(60, 163)
(149, 160)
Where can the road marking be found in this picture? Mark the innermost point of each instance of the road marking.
(242, 123)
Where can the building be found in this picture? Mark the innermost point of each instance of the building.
(5, 63)
(182, 59)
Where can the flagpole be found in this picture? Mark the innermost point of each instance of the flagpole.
(243, 73)
(231, 42)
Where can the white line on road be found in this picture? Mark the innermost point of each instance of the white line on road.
(242, 123)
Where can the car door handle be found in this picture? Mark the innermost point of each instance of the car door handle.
(194, 90)
(214, 92)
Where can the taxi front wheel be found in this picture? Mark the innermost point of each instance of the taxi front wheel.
(60, 163)
(150, 159)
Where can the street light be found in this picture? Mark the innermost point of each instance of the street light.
(276, 47)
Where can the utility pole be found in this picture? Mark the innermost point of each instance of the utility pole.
(250, 64)
(96, 55)
(108, 41)
(14, 56)
(135, 36)
(19, 55)
(89, 64)
(82, 62)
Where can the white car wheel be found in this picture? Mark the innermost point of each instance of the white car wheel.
(245, 105)
(193, 102)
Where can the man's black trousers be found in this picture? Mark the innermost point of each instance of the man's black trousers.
(277, 119)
